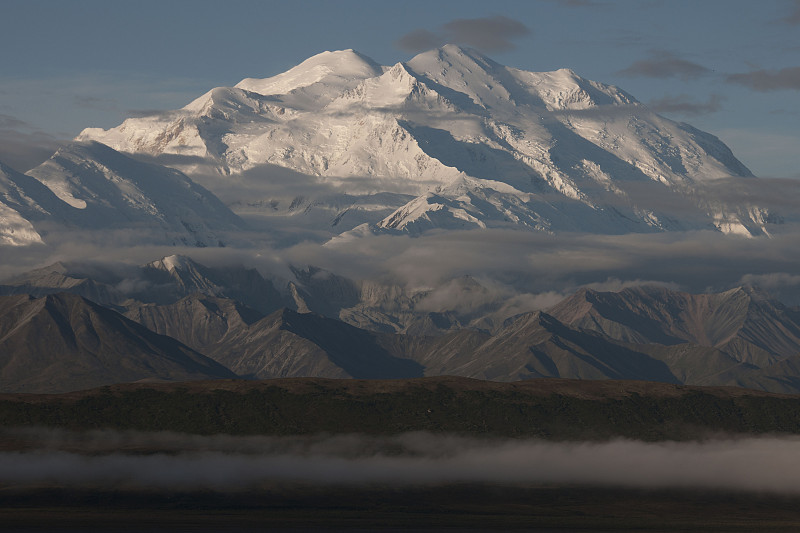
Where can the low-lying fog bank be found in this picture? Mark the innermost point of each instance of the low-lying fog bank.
(222, 463)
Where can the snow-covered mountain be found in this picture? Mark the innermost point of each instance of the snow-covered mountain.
(89, 186)
(475, 144)
(94, 187)
(26, 204)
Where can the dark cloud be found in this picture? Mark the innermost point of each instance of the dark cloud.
(793, 17)
(577, 3)
(92, 102)
(784, 112)
(223, 463)
(663, 64)
(781, 194)
(155, 113)
(9, 122)
(22, 146)
(625, 38)
(683, 104)
(419, 41)
(768, 80)
(171, 160)
(775, 281)
(493, 34)
(490, 34)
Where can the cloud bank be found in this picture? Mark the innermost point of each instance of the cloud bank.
(227, 463)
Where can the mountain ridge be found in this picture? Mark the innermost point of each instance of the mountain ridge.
(316, 325)
(63, 342)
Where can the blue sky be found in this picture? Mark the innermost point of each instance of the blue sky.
(730, 67)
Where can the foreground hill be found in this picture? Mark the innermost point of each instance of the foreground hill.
(63, 342)
(544, 408)
(293, 344)
(743, 323)
(320, 324)
(284, 344)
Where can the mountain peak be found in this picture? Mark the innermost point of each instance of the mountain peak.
(173, 263)
(453, 53)
(334, 68)
(753, 292)
(177, 262)
(450, 62)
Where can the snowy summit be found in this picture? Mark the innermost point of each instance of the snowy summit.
(450, 139)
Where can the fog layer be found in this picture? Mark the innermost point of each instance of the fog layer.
(228, 463)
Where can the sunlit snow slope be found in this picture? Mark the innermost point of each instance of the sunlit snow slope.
(461, 141)
(100, 189)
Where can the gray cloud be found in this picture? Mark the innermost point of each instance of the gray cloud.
(577, 3)
(696, 261)
(93, 102)
(493, 34)
(775, 281)
(616, 285)
(782, 194)
(524, 269)
(768, 80)
(663, 64)
(784, 111)
(793, 18)
(155, 113)
(469, 298)
(9, 122)
(490, 34)
(683, 104)
(22, 146)
(626, 38)
(223, 463)
(419, 41)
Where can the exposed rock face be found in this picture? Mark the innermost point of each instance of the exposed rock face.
(287, 343)
(741, 322)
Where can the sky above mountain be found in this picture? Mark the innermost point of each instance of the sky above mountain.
(726, 66)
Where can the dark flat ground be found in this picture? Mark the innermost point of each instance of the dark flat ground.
(454, 507)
